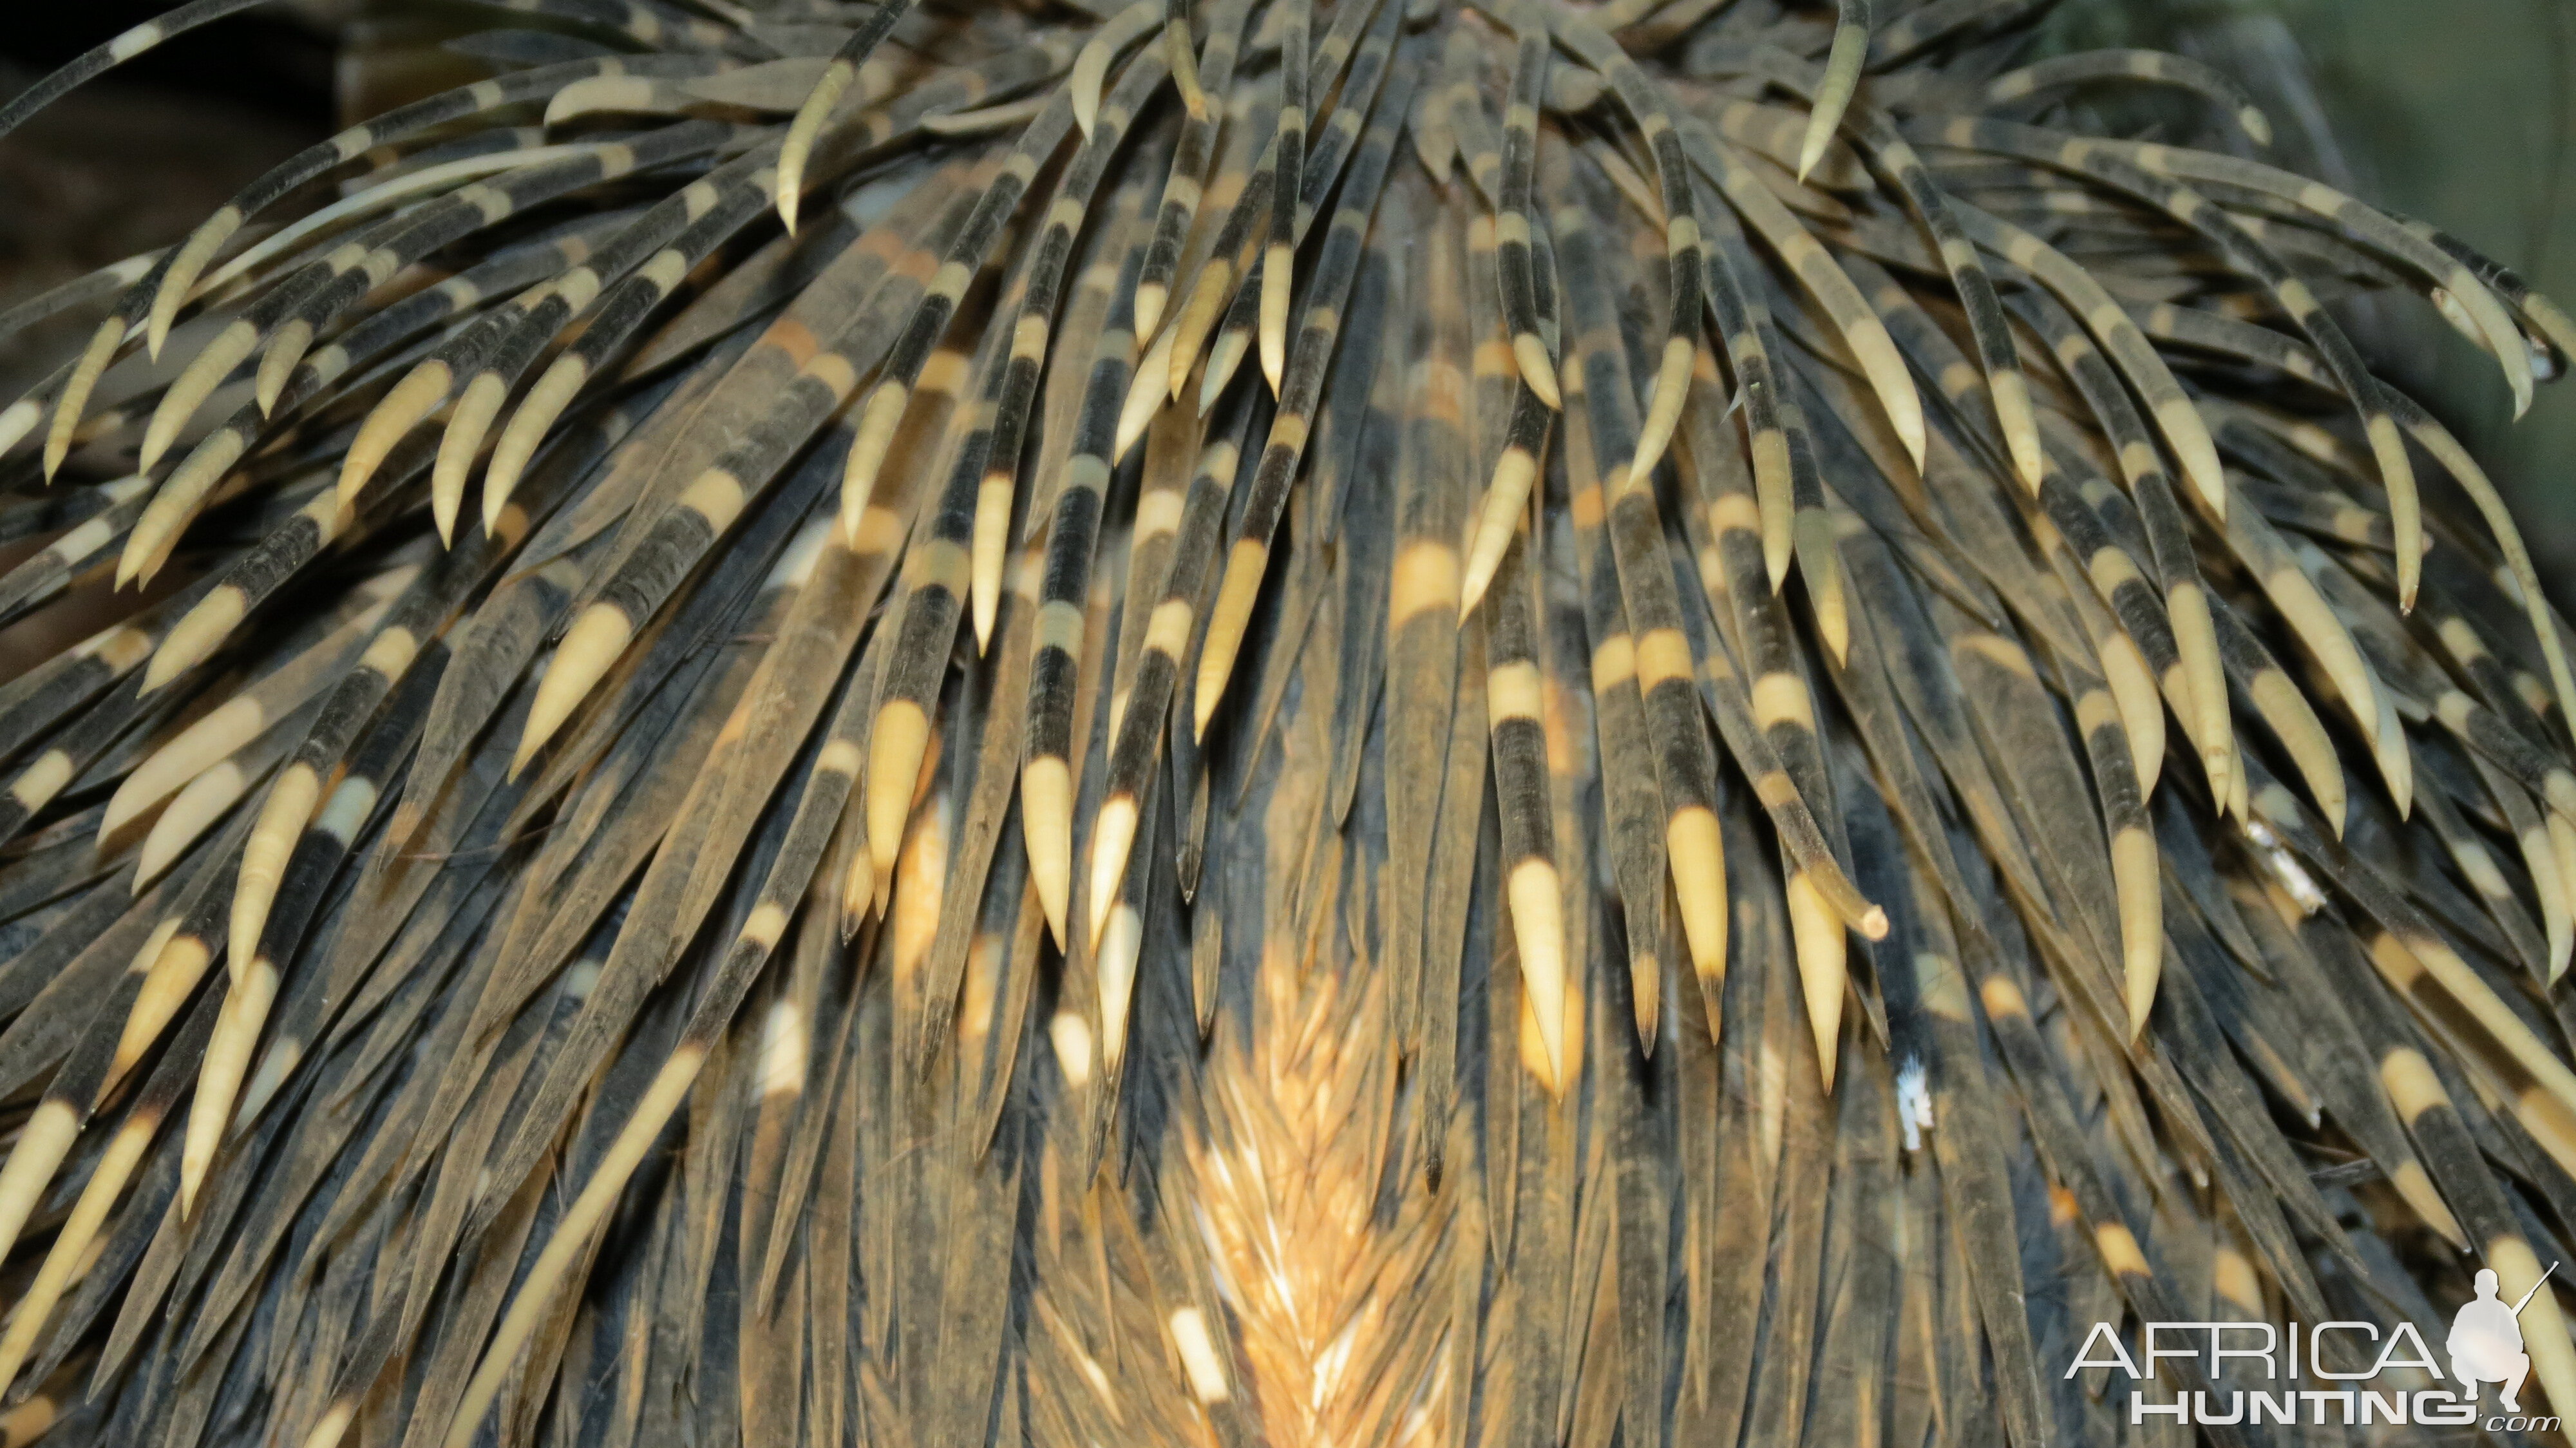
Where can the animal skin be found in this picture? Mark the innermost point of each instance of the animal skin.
(1266, 722)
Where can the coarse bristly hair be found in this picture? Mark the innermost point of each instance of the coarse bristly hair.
(1231, 722)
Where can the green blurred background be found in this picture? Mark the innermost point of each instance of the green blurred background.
(2457, 112)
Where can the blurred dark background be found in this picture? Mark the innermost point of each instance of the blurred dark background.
(132, 161)
(2462, 113)
(275, 60)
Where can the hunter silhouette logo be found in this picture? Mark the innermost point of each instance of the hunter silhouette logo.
(2486, 1340)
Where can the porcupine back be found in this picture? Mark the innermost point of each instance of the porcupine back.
(1262, 723)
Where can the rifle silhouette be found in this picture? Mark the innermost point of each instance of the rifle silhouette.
(2535, 1289)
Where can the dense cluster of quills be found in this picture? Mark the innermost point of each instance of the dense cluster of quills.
(1722, 737)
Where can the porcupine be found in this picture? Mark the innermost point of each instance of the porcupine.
(1230, 723)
